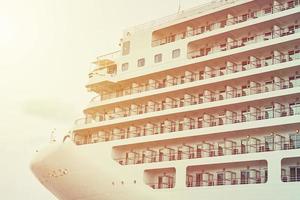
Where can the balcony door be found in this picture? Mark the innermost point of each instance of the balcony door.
(199, 179)
(295, 108)
(295, 141)
(220, 178)
(295, 173)
(245, 175)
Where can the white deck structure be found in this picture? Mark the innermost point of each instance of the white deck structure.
(204, 104)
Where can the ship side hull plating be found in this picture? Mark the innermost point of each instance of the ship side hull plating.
(89, 173)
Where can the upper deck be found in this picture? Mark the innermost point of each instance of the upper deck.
(172, 41)
(137, 43)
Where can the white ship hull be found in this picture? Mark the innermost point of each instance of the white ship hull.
(202, 105)
(87, 173)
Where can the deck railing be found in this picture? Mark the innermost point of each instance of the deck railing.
(289, 178)
(225, 23)
(157, 185)
(100, 70)
(238, 147)
(181, 15)
(202, 75)
(272, 34)
(193, 100)
(214, 121)
(233, 181)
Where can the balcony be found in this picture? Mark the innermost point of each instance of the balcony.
(160, 178)
(231, 43)
(205, 97)
(191, 123)
(169, 35)
(105, 70)
(208, 148)
(254, 172)
(207, 73)
(290, 171)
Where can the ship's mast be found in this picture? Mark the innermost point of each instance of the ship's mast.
(179, 6)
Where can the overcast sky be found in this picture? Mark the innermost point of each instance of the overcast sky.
(46, 47)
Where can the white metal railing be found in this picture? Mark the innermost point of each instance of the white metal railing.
(181, 15)
(193, 100)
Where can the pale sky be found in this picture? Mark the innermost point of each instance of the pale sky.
(46, 47)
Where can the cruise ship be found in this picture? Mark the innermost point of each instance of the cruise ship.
(202, 104)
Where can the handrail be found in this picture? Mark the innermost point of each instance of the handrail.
(180, 15)
(97, 69)
(241, 43)
(238, 118)
(289, 178)
(157, 185)
(183, 102)
(234, 181)
(236, 68)
(220, 24)
(108, 55)
(237, 149)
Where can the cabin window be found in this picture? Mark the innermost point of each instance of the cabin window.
(125, 66)
(126, 48)
(158, 58)
(176, 53)
(141, 62)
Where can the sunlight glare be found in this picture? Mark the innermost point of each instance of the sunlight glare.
(7, 31)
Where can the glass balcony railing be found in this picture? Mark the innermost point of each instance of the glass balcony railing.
(289, 178)
(190, 123)
(194, 99)
(228, 181)
(225, 23)
(284, 31)
(158, 185)
(202, 75)
(210, 149)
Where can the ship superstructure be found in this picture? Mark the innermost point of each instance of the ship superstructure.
(194, 105)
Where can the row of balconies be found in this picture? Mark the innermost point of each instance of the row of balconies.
(188, 99)
(201, 179)
(208, 72)
(220, 174)
(227, 117)
(232, 43)
(225, 147)
(245, 176)
(251, 172)
(197, 51)
(230, 20)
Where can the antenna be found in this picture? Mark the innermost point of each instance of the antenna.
(52, 136)
(179, 6)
